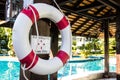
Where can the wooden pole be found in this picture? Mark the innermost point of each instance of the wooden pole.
(9, 8)
(106, 47)
(44, 30)
(118, 44)
(54, 46)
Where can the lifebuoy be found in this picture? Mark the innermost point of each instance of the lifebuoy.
(21, 42)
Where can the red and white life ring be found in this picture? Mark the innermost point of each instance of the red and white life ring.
(21, 42)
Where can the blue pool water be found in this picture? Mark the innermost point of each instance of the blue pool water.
(9, 70)
(78, 67)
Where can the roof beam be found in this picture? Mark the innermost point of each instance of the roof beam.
(88, 28)
(84, 35)
(75, 20)
(70, 1)
(88, 8)
(77, 3)
(2, 2)
(80, 14)
(80, 26)
(108, 3)
(81, 8)
(63, 3)
(99, 10)
(8, 24)
(116, 2)
(93, 5)
(107, 17)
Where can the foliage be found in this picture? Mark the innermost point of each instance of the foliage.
(74, 42)
(3, 41)
(112, 45)
(74, 48)
(90, 47)
(85, 53)
(6, 41)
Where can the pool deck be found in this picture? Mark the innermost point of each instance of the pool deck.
(8, 58)
(90, 79)
(87, 76)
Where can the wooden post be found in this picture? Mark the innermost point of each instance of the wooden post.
(9, 8)
(44, 30)
(54, 45)
(106, 47)
(118, 44)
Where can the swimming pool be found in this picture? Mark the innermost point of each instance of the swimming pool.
(87, 66)
(9, 70)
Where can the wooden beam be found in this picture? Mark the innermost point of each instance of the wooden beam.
(77, 4)
(116, 2)
(118, 44)
(80, 14)
(86, 35)
(107, 17)
(108, 3)
(80, 26)
(63, 2)
(88, 28)
(85, 13)
(88, 7)
(2, 2)
(99, 10)
(74, 20)
(78, 8)
(8, 24)
(54, 46)
(106, 48)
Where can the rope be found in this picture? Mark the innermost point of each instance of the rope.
(36, 26)
(58, 6)
(24, 72)
(24, 68)
(60, 10)
(37, 32)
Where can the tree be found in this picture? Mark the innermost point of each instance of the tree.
(5, 35)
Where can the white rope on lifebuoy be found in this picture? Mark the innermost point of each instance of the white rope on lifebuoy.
(21, 42)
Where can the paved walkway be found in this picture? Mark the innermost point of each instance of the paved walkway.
(8, 58)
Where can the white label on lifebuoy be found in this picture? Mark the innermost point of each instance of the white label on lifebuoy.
(40, 45)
